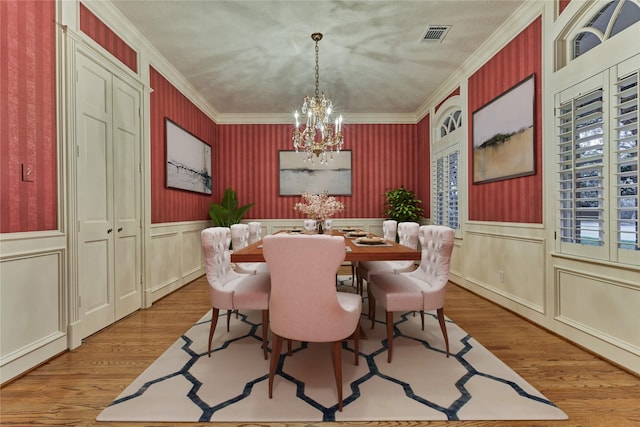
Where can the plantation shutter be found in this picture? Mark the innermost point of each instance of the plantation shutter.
(626, 161)
(581, 169)
(445, 190)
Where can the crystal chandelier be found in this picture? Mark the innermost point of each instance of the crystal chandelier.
(319, 137)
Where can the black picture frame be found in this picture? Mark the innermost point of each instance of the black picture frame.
(297, 176)
(504, 135)
(188, 164)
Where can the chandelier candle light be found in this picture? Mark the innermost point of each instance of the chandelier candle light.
(320, 136)
(319, 207)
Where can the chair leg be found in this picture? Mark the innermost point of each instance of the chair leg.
(265, 332)
(214, 323)
(372, 308)
(443, 327)
(229, 318)
(289, 352)
(356, 343)
(336, 353)
(389, 335)
(353, 274)
(421, 318)
(275, 358)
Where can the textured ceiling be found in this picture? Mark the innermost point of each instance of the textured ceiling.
(257, 57)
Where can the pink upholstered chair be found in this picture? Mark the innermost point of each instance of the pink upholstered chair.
(240, 239)
(389, 229)
(230, 290)
(309, 224)
(408, 236)
(304, 304)
(419, 290)
(255, 231)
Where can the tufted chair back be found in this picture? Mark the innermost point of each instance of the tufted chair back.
(408, 234)
(239, 236)
(255, 231)
(215, 246)
(389, 229)
(309, 224)
(437, 245)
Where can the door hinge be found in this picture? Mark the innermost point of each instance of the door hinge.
(555, 235)
(79, 301)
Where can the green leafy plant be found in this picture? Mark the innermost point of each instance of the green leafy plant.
(227, 212)
(402, 205)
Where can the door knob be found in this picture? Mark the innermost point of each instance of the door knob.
(109, 230)
(119, 229)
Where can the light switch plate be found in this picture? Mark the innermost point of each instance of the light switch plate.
(28, 172)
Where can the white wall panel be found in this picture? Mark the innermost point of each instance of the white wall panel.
(192, 256)
(593, 304)
(507, 264)
(174, 258)
(32, 300)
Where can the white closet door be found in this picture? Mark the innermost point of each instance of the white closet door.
(108, 196)
(126, 198)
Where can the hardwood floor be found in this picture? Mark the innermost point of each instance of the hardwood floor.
(73, 388)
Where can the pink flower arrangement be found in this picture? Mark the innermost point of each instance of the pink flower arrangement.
(319, 206)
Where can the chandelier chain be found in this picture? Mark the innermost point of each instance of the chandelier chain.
(317, 72)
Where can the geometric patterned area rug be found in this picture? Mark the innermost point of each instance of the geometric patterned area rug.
(421, 383)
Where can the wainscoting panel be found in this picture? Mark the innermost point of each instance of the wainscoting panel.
(507, 263)
(591, 304)
(175, 257)
(32, 300)
(457, 260)
(192, 256)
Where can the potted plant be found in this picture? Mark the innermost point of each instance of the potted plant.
(227, 212)
(402, 205)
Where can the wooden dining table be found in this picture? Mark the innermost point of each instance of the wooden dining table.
(354, 251)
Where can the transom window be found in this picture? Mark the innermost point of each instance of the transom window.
(610, 20)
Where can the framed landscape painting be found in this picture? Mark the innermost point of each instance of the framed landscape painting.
(297, 176)
(188, 160)
(503, 139)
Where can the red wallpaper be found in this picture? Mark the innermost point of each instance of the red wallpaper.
(170, 204)
(562, 5)
(28, 116)
(517, 199)
(98, 31)
(383, 156)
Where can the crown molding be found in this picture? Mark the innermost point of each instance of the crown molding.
(238, 118)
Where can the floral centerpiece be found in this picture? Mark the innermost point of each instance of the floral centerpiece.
(319, 207)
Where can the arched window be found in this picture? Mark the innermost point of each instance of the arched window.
(445, 167)
(450, 123)
(606, 23)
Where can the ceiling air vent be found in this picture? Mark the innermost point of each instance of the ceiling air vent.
(435, 33)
